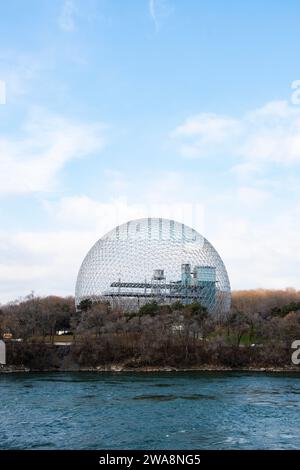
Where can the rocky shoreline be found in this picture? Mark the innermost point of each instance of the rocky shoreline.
(5, 369)
(119, 368)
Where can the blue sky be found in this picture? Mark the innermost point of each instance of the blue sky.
(116, 109)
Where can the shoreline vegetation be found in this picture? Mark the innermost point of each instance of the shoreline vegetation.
(119, 368)
(49, 334)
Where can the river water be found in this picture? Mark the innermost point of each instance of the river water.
(150, 411)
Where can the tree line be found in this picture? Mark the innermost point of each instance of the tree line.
(258, 331)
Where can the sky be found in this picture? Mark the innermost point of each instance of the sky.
(112, 110)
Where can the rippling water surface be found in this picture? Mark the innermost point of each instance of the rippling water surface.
(158, 411)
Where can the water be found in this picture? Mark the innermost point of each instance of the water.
(149, 411)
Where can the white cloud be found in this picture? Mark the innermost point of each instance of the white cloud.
(2, 92)
(167, 194)
(100, 217)
(207, 126)
(66, 19)
(20, 73)
(152, 12)
(18, 272)
(82, 211)
(159, 10)
(246, 170)
(263, 254)
(31, 163)
(116, 180)
(200, 135)
(46, 262)
(251, 196)
(270, 134)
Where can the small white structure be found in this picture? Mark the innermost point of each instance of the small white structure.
(2, 352)
(63, 332)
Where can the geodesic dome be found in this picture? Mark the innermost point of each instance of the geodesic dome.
(154, 259)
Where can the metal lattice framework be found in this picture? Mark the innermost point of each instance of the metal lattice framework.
(154, 259)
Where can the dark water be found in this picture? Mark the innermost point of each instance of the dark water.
(165, 410)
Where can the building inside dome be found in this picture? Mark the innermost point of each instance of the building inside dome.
(154, 259)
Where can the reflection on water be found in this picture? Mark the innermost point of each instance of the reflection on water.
(195, 396)
(159, 410)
